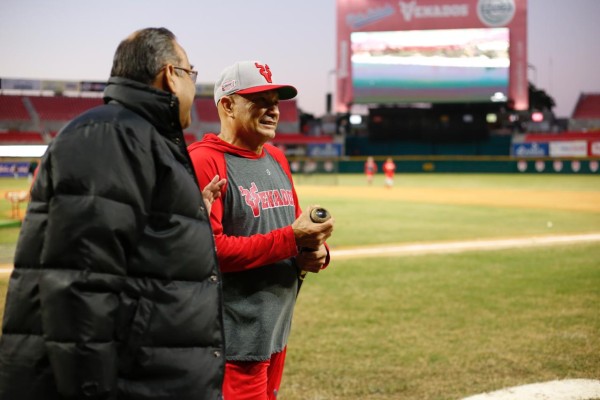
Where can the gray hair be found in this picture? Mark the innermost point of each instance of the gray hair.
(142, 55)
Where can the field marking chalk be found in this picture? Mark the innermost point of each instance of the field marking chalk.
(568, 389)
(444, 247)
(462, 246)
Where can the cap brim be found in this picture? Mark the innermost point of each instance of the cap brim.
(286, 92)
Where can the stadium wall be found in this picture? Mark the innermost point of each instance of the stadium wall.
(478, 164)
(332, 166)
(492, 146)
(324, 170)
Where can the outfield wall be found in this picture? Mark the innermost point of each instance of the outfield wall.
(567, 153)
(451, 164)
(483, 164)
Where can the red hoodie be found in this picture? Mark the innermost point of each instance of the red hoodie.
(239, 253)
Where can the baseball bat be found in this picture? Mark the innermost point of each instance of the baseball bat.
(318, 215)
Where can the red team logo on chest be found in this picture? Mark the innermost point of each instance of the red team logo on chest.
(266, 199)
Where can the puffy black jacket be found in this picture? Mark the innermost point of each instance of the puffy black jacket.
(116, 292)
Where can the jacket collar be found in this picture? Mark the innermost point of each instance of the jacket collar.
(158, 107)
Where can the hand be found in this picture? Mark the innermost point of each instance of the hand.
(312, 260)
(310, 234)
(212, 191)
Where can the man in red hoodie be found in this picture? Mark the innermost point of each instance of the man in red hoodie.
(260, 232)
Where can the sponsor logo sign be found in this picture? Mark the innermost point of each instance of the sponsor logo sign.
(575, 166)
(522, 166)
(371, 15)
(496, 12)
(574, 148)
(14, 169)
(557, 165)
(411, 10)
(533, 149)
(324, 150)
(540, 166)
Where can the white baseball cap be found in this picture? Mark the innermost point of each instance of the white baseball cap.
(250, 77)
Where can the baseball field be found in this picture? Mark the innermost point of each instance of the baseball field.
(453, 323)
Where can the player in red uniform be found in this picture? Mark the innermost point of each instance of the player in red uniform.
(259, 229)
(370, 169)
(389, 168)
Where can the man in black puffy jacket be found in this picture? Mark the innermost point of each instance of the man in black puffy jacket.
(116, 291)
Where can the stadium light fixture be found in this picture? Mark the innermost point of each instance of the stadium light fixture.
(498, 97)
(537, 116)
(355, 119)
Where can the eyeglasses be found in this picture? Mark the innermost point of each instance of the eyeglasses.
(193, 74)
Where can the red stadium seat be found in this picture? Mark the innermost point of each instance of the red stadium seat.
(288, 111)
(206, 110)
(12, 108)
(16, 137)
(189, 138)
(59, 108)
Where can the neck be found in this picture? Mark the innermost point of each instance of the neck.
(240, 141)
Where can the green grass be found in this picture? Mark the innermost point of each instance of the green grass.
(495, 181)
(14, 184)
(392, 222)
(445, 326)
(360, 222)
(440, 327)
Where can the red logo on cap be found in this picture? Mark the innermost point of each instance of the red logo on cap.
(264, 71)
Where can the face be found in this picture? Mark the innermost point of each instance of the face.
(184, 88)
(256, 115)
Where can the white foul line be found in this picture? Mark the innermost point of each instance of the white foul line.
(448, 247)
(457, 247)
(569, 389)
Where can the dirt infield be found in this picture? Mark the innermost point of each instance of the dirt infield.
(523, 198)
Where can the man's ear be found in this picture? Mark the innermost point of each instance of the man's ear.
(226, 103)
(165, 79)
(169, 79)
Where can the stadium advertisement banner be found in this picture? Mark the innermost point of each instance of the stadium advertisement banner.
(324, 150)
(408, 51)
(92, 86)
(558, 166)
(14, 169)
(574, 148)
(594, 149)
(530, 149)
(60, 86)
(39, 85)
(20, 84)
